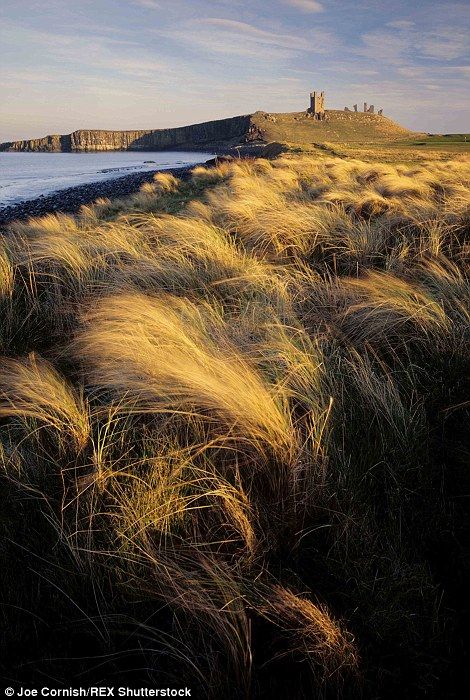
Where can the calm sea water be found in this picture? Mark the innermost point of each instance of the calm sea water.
(26, 176)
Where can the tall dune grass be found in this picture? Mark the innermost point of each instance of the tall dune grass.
(237, 406)
(167, 354)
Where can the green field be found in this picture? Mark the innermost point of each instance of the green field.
(454, 143)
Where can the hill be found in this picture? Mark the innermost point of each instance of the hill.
(258, 128)
(338, 127)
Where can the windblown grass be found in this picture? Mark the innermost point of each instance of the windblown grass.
(237, 408)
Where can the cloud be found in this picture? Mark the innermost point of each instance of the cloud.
(446, 74)
(93, 52)
(252, 33)
(407, 44)
(148, 4)
(401, 24)
(306, 5)
(232, 37)
(384, 46)
(444, 45)
(135, 66)
(464, 70)
(412, 71)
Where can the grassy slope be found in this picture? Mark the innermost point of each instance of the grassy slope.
(233, 432)
(339, 127)
(355, 134)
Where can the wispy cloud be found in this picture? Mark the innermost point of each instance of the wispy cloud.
(306, 5)
(232, 37)
(401, 24)
(401, 44)
(81, 51)
(384, 46)
(148, 4)
(445, 44)
(447, 74)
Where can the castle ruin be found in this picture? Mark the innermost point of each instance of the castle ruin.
(368, 109)
(317, 105)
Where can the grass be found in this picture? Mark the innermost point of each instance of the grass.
(233, 430)
(450, 142)
(338, 127)
(420, 148)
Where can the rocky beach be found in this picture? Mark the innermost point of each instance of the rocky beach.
(71, 199)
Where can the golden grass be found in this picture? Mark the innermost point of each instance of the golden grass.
(309, 629)
(167, 354)
(31, 388)
(247, 377)
(7, 275)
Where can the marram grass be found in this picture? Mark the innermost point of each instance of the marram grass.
(232, 430)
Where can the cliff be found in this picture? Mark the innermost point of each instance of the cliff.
(221, 132)
(257, 128)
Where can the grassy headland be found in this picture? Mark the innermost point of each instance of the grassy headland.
(242, 132)
(233, 437)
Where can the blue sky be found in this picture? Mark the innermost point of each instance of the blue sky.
(123, 64)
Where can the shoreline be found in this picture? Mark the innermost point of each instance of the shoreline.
(70, 199)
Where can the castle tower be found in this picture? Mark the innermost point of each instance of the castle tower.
(317, 104)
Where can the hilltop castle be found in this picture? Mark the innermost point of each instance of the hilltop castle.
(370, 109)
(317, 106)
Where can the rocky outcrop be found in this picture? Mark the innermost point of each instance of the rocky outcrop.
(223, 132)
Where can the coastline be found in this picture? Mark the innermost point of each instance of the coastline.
(70, 200)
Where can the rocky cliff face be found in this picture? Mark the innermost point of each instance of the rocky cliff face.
(223, 132)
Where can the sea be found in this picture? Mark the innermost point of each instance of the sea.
(25, 176)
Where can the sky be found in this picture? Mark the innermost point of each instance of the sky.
(140, 64)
